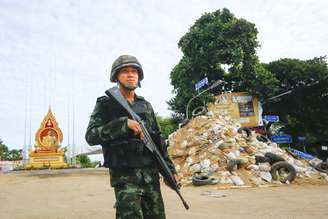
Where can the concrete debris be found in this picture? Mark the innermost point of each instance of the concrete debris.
(210, 144)
(266, 176)
(264, 167)
(237, 180)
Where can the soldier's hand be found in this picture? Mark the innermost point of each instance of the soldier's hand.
(135, 127)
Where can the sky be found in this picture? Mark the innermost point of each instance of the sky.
(60, 52)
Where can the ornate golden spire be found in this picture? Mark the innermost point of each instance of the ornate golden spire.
(49, 136)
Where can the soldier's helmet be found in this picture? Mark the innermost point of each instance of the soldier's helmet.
(125, 61)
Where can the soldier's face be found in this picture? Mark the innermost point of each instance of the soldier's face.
(128, 76)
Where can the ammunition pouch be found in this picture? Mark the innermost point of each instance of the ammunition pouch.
(130, 153)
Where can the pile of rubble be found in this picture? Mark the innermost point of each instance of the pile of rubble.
(211, 148)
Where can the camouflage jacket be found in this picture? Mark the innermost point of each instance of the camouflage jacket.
(121, 149)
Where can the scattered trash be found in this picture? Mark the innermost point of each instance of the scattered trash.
(213, 194)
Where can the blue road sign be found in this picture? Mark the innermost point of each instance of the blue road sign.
(271, 118)
(201, 83)
(301, 154)
(282, 138)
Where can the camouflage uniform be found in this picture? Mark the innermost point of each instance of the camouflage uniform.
(133, 171)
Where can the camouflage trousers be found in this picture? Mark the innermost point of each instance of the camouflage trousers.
(135, 201)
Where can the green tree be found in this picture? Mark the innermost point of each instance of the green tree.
(167, 125)
(6, 154)
(14, 154)
(3, 151)
(218, 46)
(84, 161)
(304, 110)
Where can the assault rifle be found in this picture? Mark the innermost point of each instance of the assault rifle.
(149, 143)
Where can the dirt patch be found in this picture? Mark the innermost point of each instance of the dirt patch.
(88, 195)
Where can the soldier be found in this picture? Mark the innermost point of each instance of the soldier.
(132, 169)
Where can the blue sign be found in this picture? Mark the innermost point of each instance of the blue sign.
(271, 118)
(301, 138)
(201, 83)
(282, 138)
(301, 154)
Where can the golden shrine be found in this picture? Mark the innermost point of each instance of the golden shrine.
(47, 153)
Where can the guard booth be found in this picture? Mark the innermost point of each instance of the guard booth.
(242, 107)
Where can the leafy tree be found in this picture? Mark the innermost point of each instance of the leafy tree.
(3, 151)
(218, 46)
(6, 154)
(167, 125)
(84, 160)
(304, 110)
(14, 154)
